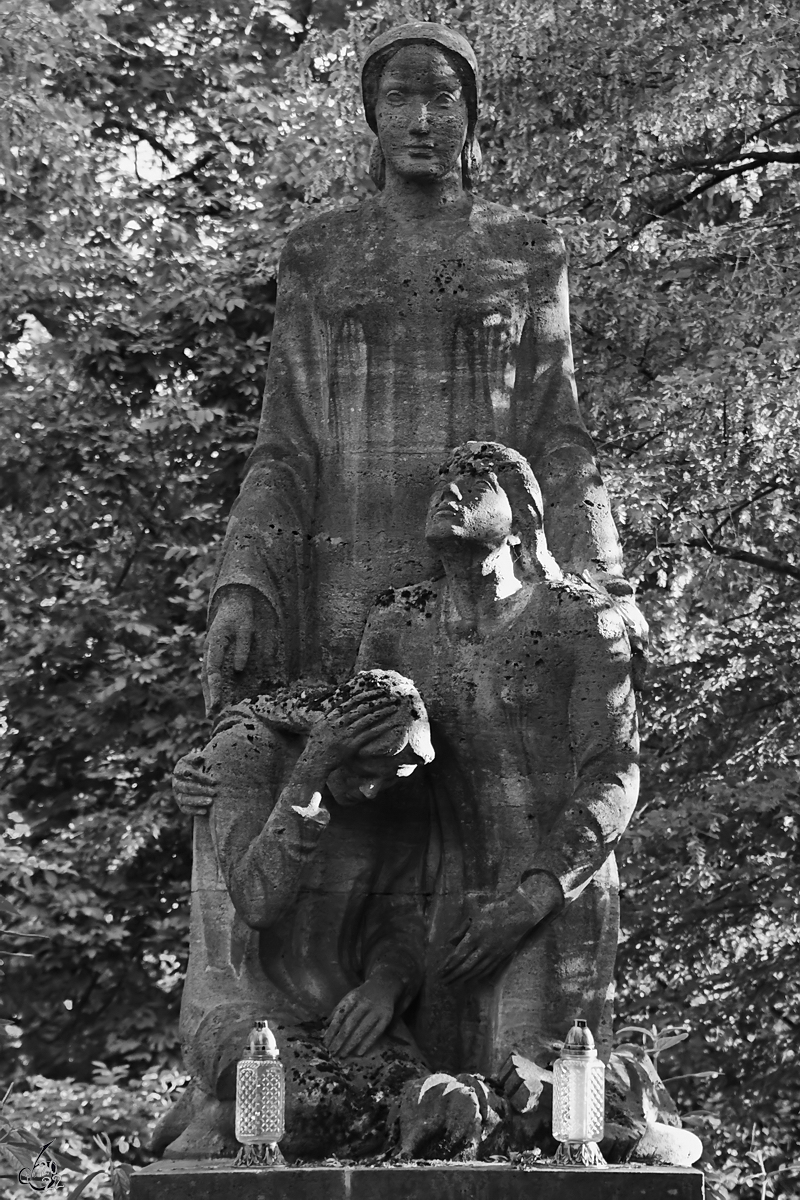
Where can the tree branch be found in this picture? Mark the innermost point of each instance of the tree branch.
(754, 160)
(731, 514)
(143, 135)
(733, 155)
(746, 556)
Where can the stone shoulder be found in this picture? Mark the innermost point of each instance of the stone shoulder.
(513, 221)
(584, 612)
(322, 230)
(333, 228)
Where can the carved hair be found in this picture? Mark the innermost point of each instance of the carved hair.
(298, 708)
(373, 69)
(515, 476)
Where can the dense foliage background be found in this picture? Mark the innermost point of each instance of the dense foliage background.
(155, 154)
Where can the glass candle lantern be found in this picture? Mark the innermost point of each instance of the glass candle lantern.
(579, 1099)
(260, 1098)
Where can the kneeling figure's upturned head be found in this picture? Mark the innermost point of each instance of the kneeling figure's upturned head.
(487, 494)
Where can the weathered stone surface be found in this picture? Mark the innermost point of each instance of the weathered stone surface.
(307, 910)
(480, 897)
(526, 675)
(479, 1181)
(421, 317)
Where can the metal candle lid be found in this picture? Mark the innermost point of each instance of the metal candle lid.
(579, 1042)
(262, 1041)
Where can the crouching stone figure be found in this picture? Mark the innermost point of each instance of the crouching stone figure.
(306, 911)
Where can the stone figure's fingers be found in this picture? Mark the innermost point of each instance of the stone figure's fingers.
(374, 732)
(368, 714)
(369, 1038)
(193, 795)
(214, 688)
(192, 786)
(195, 760)
(471, 966)
(342, 1036)
(244, 636)
(194, 808)
(476, 968)
(466, 947)
(193, 790)
(193, 804)
(216, 643)
(337, 1016)
(362, 698)
(461, 932)
(187, 776)
(362, 1025)
(359, 1011)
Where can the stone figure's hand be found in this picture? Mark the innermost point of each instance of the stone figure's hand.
(489, 935)
(348, 729)
(622, 594)
(359, 1019)
(191, 787)
(446, 1116)
(233, 623)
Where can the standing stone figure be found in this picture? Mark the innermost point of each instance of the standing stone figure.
(526, 677)
(417, 319)
(422, 317)
(307, 910)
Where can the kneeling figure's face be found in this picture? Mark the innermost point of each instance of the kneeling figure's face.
(470, 507)
(365, 775)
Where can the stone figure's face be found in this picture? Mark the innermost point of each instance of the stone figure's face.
(472, 508)
(421, 114)
(366, 775)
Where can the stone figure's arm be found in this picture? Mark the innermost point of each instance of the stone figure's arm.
(394, 968)
(548, 428)
(604, 737)
(263, 842)
(268, 827)
(393, 939)
(261, 572)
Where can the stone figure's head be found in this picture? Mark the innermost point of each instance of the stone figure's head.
(488, 494)
(397, 751)
(419, 84)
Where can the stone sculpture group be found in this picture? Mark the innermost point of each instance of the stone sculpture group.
(419, 663)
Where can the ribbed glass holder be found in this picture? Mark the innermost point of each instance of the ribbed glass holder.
(260, 1098)
(578, 1100)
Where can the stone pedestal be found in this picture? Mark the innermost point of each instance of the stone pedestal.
(210, 1180)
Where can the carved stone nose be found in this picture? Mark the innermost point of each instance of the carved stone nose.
(422, 120)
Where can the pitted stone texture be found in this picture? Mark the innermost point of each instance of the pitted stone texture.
(390, 346)
(422, 317)
(526, 677)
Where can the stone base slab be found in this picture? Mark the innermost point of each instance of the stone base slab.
(220, 1180)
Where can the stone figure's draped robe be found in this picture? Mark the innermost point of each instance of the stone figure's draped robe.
(393, 343)
(534, 727)
(289, 914)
